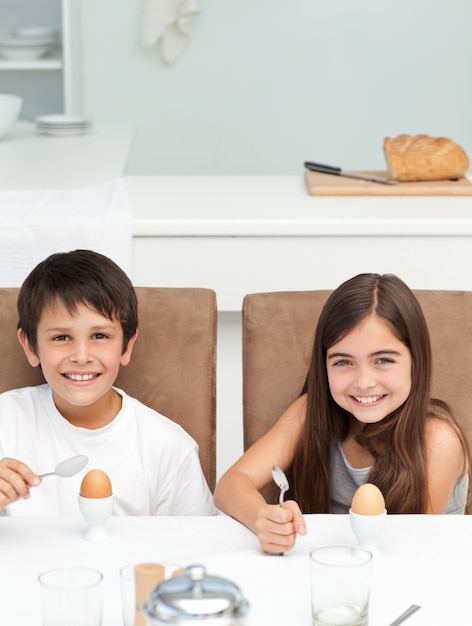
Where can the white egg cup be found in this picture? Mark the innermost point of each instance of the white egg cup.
(96, 512)
(367, 529)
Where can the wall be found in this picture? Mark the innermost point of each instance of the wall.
(267, 84)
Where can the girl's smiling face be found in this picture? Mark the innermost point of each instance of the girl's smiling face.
(369, 371)
(80, 355)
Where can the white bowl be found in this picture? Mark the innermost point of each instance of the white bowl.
(16, 50)
(35, 32)
(19, 42)
(10, 107)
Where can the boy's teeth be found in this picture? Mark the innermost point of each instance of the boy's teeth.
(366, 400)
(81, 376)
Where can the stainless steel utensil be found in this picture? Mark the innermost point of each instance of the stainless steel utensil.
(196, 597)
(337, 171)
(69, 467)
(405, 615)
(281, 481)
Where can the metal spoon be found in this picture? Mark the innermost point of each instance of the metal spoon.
(281, 481)
(413, 608)
(69, 467)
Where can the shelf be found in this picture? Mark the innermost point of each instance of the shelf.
(51, 83)
(46, 63)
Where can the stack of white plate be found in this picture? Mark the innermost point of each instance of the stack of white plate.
(27, 44)
(63, 124)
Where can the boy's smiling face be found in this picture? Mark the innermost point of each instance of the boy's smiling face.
(80, 355)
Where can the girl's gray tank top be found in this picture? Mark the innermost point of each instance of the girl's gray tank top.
(345, 479)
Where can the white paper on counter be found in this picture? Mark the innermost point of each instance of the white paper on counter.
(37, 223)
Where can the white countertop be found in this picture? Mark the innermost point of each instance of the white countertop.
(30, 160)
(245, 234)
(424, 560)
(279, 206)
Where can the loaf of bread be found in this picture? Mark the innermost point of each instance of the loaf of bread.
(424, 158)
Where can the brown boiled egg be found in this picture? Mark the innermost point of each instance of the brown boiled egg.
(368, 500)
(95, 484)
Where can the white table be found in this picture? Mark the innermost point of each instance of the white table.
(423, 560)
(30, 160)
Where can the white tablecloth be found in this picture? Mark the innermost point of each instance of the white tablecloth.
(423, 560)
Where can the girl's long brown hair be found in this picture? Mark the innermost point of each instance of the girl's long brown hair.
(397, 442)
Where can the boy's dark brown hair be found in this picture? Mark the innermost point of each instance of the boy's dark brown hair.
(73, 278)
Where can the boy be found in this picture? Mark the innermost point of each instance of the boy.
(78, 321)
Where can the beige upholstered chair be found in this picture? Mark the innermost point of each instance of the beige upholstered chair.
(278, 331)
(172, 369)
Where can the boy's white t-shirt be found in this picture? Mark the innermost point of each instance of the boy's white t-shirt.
(152, 462)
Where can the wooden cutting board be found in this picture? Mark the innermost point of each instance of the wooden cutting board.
(328, 185)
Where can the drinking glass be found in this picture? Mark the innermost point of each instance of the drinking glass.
(340, 585)
(71, 596)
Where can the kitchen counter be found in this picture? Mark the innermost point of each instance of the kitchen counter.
(244, 234)
(232, 206)
(31, 160)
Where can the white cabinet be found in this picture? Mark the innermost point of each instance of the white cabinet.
(49, 84)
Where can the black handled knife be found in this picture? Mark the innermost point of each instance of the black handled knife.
(337, 171)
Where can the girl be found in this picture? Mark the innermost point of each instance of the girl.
(365, 415)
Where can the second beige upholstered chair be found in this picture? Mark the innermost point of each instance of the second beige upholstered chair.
(278, 332)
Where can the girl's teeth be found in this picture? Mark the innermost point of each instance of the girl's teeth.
(368, 399)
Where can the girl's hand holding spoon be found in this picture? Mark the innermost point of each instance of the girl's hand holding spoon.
(282, 483)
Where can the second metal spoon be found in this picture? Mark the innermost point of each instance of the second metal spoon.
(281, 481)
(413, 608)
